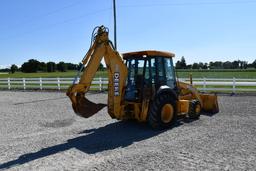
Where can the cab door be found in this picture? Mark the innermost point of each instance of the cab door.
(135, 79)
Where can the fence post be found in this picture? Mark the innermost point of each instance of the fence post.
(204, 85)
(100, 84)
(24, 83)
(9, 83)
(40, 83)
(234, 85)
(58, 81)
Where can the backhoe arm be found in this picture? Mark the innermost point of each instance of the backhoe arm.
(117, 72)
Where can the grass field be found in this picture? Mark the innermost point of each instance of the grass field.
(69, 74)
(218, 74)
(180, 74)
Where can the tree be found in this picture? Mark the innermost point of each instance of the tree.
(101, 67)
(201, 65)
(5, 70)
(254, 64)
(71, 66)
(31, 66)
(177, 65)
(227, 65)
(205, 66)
(80, 65)
(243, 65)
(42, 67)
(14, 68)
(189, 66)
(183, 64)
(216, 65)
(62, 67)
(235, 64)
(195, 66)
(51, 67)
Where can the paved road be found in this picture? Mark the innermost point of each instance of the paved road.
(39, 131)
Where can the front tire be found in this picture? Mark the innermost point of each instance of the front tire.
(162, 112)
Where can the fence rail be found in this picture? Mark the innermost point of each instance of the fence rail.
(204, 84)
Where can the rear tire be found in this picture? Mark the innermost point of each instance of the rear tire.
(162, 113)
(194, 109)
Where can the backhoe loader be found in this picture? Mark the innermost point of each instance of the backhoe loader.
(141, 85)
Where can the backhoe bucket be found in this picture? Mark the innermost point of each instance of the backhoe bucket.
(210, 103)
(84, 107)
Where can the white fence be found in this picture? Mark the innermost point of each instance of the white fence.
(47, 83)
(233, 85)
(204, 84)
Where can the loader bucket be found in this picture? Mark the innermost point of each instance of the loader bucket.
(84, 107)
(210, 103)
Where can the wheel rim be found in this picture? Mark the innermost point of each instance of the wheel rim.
(198, 109)
(167, 113)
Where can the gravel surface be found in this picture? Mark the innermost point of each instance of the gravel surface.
(39, 131)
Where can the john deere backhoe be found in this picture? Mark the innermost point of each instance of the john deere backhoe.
(142, 86)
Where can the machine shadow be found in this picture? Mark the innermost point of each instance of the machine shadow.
(114, 135)
(210, 114)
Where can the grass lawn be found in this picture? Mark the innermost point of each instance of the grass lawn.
(180, 74)
(218, 74)
(68, 74)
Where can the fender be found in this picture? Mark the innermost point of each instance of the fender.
(166, 89)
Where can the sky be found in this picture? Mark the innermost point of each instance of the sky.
(60, 30)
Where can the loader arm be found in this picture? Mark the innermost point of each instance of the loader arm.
(188, 90)
(208, 102)
(117, 72)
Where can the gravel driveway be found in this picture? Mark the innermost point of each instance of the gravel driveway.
(39, 131)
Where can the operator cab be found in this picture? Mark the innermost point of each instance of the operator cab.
(147, 72)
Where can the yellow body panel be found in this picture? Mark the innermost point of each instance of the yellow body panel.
(182, 107)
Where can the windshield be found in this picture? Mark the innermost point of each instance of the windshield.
(150, 72)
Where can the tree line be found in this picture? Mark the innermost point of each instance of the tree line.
(33, 65)
(237, 64)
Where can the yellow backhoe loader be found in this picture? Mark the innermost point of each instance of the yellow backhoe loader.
(141, 85)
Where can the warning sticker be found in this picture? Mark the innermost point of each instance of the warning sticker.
(116, 83)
